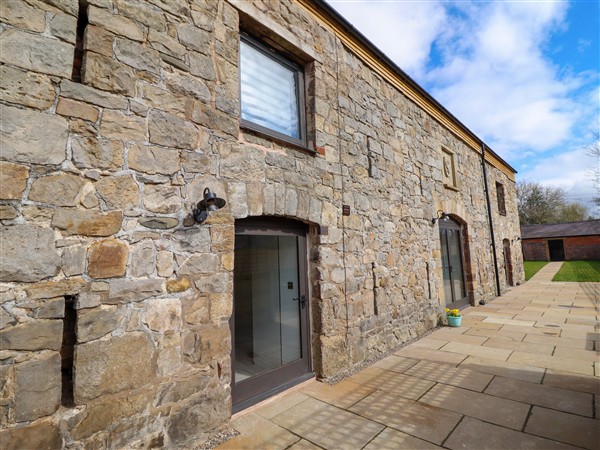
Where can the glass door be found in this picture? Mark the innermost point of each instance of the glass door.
(455, 291)
(270, 321)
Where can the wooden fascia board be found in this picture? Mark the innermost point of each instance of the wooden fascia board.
(391, 76)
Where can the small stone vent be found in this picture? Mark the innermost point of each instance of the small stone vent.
(82, 22)
(66, 351)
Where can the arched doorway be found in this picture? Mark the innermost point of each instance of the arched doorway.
(270, 321)
(453, 263)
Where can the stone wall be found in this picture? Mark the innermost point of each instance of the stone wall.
(114, 304)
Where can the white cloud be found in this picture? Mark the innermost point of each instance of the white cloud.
(392, 27)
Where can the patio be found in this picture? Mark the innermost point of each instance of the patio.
(522, 372)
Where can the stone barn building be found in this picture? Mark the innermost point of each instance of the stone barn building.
(570, 241)
(341, 209)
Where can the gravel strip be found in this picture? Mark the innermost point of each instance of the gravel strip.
(218, 437)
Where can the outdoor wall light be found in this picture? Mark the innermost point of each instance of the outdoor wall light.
(210, 203)
(441, 215)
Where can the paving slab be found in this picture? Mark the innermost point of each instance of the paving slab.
(392, 382)
(394, 439)
(552, 362)
(567, 380)
(343, 394)
(520, 346)
(552, 397)
(584, 355)
(396, 363)
(328, 426)
(581, 344)
(492, 409)
(447, 374)
(475, 434)
(258, 432)
(477, 350)
(430, 355)
(303, 444)
(563, 427)
(417, 419)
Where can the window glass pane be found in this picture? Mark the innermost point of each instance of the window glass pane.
(269, 92)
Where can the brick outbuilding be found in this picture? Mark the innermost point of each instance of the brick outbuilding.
(561, 241)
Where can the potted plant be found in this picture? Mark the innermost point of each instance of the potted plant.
(454, 317)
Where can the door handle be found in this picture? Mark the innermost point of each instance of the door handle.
(301, 299)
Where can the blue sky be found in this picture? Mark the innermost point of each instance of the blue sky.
(523, 75)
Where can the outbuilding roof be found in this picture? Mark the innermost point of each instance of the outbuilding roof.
(551, 230)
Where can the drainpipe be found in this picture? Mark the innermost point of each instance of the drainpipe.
(487, 198)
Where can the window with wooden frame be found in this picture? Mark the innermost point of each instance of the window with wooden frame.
(501, 199)
(271, 92)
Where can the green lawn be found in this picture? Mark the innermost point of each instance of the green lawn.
(533, 267)
(578, 271)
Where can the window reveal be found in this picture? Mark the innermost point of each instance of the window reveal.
(271, 92)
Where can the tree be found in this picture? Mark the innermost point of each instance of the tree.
(593, 151)
(546, 204)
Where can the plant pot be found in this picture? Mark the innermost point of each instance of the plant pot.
(454, 321)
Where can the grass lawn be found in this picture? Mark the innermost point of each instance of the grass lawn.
(532, 267)
(578, 271)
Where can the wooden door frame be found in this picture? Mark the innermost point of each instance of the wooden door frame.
(252, 390)
(452, 224)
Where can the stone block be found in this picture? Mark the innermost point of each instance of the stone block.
(125, 127)
(143, 13)
(8, 212)
(163, 314)
(36, 53)
(52, 308)
(107, 74)
(195, 162)
(107, 411)
(88, 94)
(196, 311)
(207, 413)
(26, 88)
(43, 434)
(88, 300)
(222, 238)
(37, 387)
(34, 335)
(98, 40)
(213, 284)
(178, 285)
(136, 55)
(221, 306)
(172, 131)
(191, 240)
(153, 160)
(202, 66)
(58, 190)
(87, 223)
(21, 15)
(97, 322)
(161, 198)
(199, 263)
(13, 179)
(119, 192)
(115, 23)
(24, 141)
(5, 320)
(167, 45)
(51, 289)
(107, 259)
(73, 108)
(164, 263)
(27, 253)
(73, 260)
(194, 38)
(142, 259)
(242, 163)
(106, 366)
(63, 26)
(89, 152)
(187, 86)
(126, 291)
